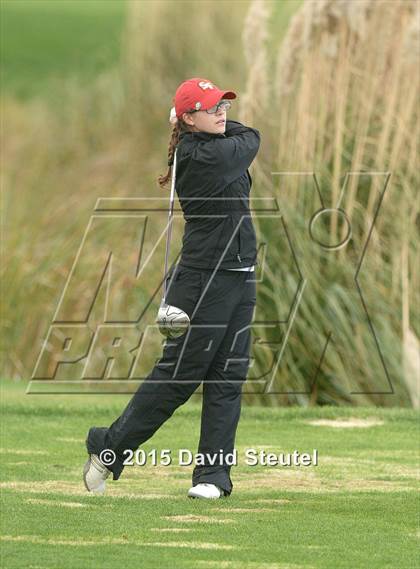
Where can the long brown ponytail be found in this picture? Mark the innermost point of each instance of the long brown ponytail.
(179, 127)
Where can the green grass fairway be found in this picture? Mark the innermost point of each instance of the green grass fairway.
(357, 509)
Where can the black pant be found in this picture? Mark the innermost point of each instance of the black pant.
(215, 349)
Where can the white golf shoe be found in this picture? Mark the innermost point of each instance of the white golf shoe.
(205, 490)
(94, 474)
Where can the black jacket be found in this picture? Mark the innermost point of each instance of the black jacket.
(211, 168)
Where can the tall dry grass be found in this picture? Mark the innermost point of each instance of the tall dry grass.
(343, 99)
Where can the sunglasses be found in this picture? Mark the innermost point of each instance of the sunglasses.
(224, 104)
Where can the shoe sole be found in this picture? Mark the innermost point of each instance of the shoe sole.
(204, 498)
(86, 468)
(222, 495)
(85, 471)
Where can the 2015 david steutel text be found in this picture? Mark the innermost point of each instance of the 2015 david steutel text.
(185, 457)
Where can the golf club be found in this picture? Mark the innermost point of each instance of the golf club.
(172, 321)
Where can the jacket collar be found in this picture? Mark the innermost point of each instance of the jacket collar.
(200, 135)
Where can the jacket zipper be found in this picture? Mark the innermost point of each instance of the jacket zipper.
(239, 244)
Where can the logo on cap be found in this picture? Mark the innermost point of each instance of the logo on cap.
(205, 85)
(198, 105)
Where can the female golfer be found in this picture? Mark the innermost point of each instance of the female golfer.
(213, 282)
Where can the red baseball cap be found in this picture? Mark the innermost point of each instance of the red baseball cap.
(198, 94)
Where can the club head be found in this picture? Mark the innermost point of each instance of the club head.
(172, 321)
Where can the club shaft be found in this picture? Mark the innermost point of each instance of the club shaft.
(170, 218)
